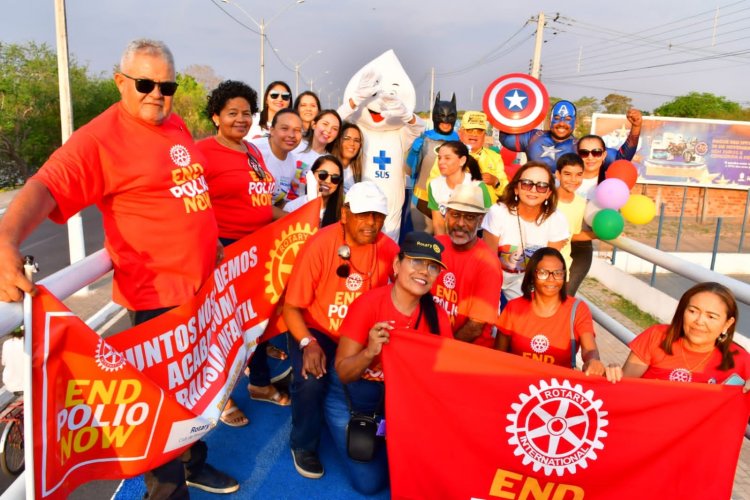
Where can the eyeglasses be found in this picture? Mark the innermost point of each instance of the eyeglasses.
(146, 86)
(323, 175)
(285, 96)
(474, 131)
(470, 218)
(557, 274)
(421, 265)
(596, 153)
(541, 187)
(255, 166)
(348, 138)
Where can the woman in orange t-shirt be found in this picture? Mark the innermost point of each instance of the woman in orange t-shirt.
(696, 346)
(538, 324)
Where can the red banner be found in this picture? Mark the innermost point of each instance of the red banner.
(465, 421)
(115, 408)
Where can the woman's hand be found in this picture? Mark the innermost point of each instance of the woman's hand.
(613, 373)
(379, 334)
(593, 367)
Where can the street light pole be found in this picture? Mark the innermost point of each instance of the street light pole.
(297, 66)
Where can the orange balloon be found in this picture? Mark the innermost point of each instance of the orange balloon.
(623, 170)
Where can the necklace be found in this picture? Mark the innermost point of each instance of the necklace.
(700, 363)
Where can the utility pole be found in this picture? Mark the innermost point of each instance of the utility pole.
(432, 91)
(536, 62)
(76, 246)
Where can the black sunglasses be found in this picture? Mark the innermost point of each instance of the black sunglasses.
(541, 187)
(345, 253)
(255, 166)
(323, 175)
(284, 95)
(596, 153)
(146, 86)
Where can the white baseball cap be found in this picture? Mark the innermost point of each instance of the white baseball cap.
(366, 196)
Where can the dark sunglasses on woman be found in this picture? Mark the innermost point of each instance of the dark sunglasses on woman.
(596, 153)
(323, 175)
(541, 187)
(146, 86)
(285, 96)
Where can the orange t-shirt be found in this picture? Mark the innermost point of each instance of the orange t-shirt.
(242, 200)
(684, 365)
(325, 297)
(470, 287)
(544, 339)
(148, 182)
(377, 305)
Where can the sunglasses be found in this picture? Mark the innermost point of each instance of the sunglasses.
(344, 253)
(422, 265)
(146, 86)
(323, 175)
(543, 274)
(253, 163)
(284, 95)
(541, 187)
(596, 153)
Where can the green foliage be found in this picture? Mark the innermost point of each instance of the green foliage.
(702, 105)
(29, 106)
(617, 104)
(190, 103)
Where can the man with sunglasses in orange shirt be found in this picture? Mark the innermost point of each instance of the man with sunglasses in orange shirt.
(138, 163)
(547, 146)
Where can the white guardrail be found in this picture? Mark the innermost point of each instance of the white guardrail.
(71, 279)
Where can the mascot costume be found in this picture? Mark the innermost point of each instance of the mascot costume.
(380, 98)
(422, 157)
(547, 146)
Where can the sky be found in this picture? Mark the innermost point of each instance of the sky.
(649, 50)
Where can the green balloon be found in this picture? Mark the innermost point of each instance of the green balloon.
(608, 224)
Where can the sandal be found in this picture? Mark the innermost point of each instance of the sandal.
(228, 415)
(269, 394)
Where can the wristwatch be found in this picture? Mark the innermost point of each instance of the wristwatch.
(306, 342)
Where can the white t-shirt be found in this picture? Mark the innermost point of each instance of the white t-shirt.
(348, 178)
(438, 191)
(284, 171)
(512, 244)
(13, 363)
(587, 188)
(255, 131)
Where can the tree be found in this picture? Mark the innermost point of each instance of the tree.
(205, 75)
(190, 103)
(30, 110)
(701, 105)
(617, 104)
(585, 106)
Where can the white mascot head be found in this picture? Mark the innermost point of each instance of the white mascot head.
(393, 90)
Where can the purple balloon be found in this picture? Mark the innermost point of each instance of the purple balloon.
(612, 193)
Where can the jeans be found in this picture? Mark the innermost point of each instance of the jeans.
(581, 253)
(308, 395)
(168, 481)
(367, 396)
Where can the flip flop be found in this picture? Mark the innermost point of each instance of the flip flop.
(269, 395)
(240, 420)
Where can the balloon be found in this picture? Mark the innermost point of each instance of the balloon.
(623, 170)
(590, 211)
(639, 209)
(612, 193)
(608, 224)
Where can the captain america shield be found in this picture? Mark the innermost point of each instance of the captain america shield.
(516, 103)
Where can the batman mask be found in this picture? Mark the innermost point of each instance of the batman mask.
(444, 112)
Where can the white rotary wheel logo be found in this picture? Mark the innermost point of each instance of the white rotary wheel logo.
(449, 280)
(180, 155)
(557, 427)
(681, 375)
(107, 358)
(539, 343)
(354, 282)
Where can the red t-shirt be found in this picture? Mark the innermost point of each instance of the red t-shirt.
(376, 305)
(242, 201)
(684, 365)
(325, 297)
(544, 339)
(470, 287)
(148, 182)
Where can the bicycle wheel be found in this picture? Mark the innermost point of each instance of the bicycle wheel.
(11, 448)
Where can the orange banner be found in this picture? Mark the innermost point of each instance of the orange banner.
(115, 408)
(465, 421)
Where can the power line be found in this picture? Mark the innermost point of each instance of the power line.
(234, 18)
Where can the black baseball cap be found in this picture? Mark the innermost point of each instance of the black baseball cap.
(421, 245)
